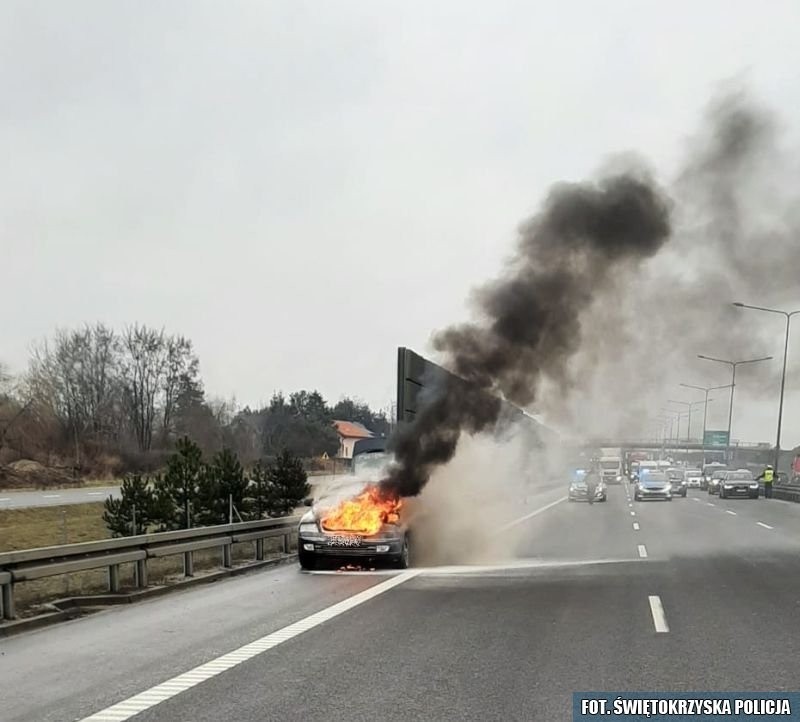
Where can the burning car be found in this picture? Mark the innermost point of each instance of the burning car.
(362, 529)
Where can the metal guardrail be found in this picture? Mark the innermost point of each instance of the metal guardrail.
(787, 492)
(30, 564)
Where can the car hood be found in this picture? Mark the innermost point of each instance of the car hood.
(390, 531)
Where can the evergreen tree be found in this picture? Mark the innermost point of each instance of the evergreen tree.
(137, 495)
(259, 491)
(177, 491)
(288, 484)
(222, 480)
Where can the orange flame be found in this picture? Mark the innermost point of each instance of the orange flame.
(364, 514)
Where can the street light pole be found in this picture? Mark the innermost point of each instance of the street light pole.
(706, 390)
(733, 365)
(689, 405)
(788, 315)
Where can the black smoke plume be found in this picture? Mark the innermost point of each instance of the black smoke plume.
(530, 319)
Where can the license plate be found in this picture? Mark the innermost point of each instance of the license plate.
(341, 540)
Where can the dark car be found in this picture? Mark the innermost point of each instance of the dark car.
(678, 482)
(738, 483)
(714, 479)
(653, 485)
(579, 490)
(708, 470)
(315, 544)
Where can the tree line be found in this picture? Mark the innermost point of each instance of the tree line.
(101, 401)
(194, 492)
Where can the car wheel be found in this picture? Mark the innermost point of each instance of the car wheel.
(404, 560)
(307, 561)
(669, 498)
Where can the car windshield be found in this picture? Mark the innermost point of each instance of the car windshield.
(738, 476)
(673, 474)
(373, 463)
(654, 478)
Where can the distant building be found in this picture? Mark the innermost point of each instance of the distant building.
(350, 432)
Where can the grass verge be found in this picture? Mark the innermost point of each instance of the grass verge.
(44, 526)
(72, 523)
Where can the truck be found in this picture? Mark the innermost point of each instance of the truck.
(611, 465)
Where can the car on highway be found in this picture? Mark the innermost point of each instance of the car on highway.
(579, 490)
(738, 483)
(713, 480)
(694, 478)
(678, 482)
(708, 471)
(653, 485)
(391, 544)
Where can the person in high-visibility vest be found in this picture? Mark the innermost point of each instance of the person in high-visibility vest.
(767, 476)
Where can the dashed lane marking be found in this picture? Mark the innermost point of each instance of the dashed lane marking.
(659, 618)
(128, 708)
(642, 551)
(51, 496)
(636, 526)
(728, 511)
(633, 513)
(766, 526)
(710, 503)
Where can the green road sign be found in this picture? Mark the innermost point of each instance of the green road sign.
(715, 438)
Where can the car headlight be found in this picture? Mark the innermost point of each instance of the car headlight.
(309, 529)
(754, 486)
(619, 478)
(728, 486)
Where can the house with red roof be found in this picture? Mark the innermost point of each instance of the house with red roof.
(350, 432)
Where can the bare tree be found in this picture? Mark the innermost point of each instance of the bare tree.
(143, 370)
(76, 377)
(181, 373)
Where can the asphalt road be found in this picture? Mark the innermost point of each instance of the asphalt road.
(694, 594)
(56, 497)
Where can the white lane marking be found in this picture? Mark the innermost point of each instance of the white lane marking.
(538, 511)
(132, 706)
(94, 493)
(51, 496)
(710, 503)
(642, 551)
(5, 499)
(728, 511)
(633, 513)
(766, 526)
(511, 566)
(630, 504)
(694, 498)
(657, 610)
(636, 526)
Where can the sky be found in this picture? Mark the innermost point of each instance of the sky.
(302, 187)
